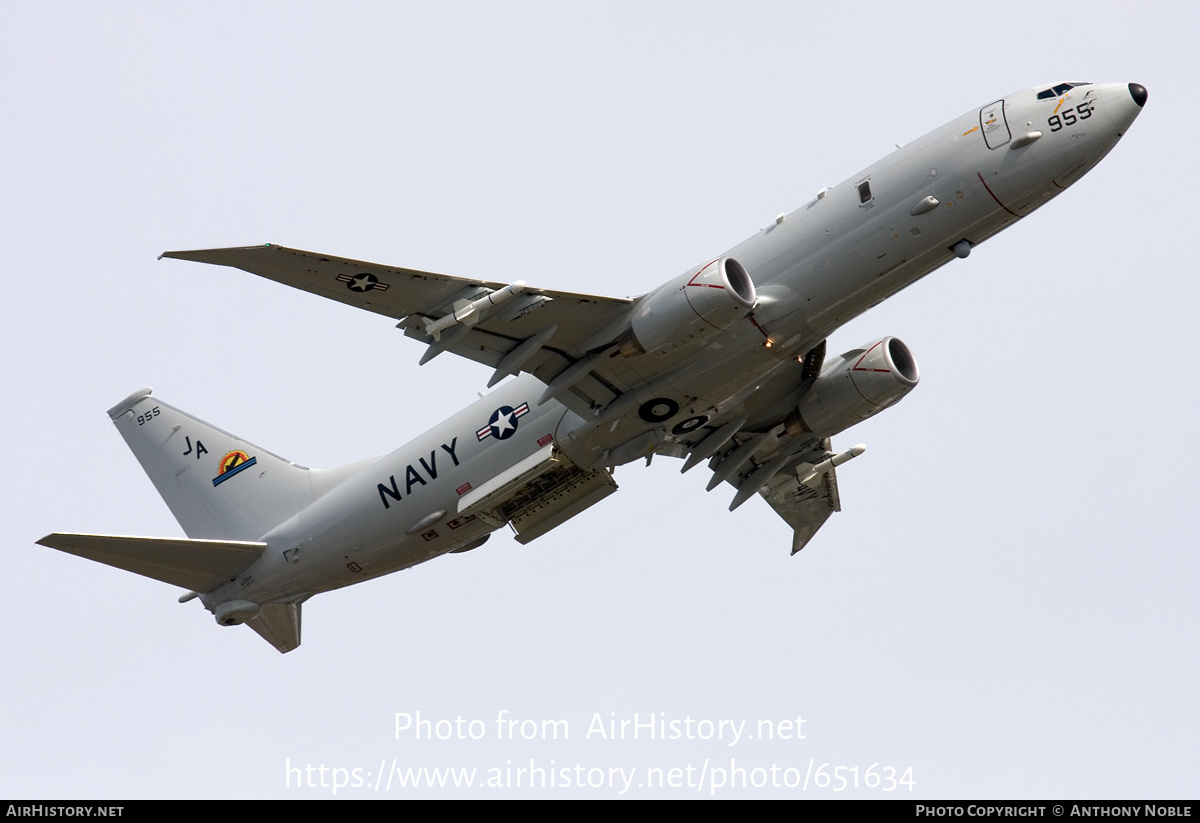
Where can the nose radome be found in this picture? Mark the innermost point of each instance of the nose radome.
(1139, 94)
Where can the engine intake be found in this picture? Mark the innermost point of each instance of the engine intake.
(858, 385)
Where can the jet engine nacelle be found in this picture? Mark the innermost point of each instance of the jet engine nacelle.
(690, 308)
(859, 384)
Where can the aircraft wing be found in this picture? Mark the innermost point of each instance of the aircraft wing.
(804, 507)
(578, 321)
(795, 476)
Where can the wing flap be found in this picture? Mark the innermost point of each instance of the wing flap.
(587, 394)
(198, 565)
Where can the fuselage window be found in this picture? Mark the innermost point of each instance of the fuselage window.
(864, 191)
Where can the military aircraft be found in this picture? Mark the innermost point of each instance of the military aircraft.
(726, 363)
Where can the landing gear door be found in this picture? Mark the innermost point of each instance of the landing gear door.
(993, 125)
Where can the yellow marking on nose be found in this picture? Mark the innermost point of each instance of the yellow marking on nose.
(965, 133)
(1061, 100)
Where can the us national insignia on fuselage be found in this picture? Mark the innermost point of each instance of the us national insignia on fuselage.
(503, 422)
(232, 463)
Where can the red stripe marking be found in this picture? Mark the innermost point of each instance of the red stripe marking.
(994, 197)
(856, 368)
(693, 282)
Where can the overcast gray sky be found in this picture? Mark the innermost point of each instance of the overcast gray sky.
(1007, 603)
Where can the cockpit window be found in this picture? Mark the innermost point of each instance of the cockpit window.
(864, 191)
(1058, 91)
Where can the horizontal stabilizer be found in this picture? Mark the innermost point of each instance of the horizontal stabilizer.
(279, 625)
(198, 565)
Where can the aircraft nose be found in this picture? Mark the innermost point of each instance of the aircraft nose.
(1123, 103)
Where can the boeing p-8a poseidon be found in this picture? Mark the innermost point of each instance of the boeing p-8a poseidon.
(725, 363)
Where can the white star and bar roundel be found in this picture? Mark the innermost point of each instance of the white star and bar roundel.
(503, 422)
(362, 282)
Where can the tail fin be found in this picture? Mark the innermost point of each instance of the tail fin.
(218, 486)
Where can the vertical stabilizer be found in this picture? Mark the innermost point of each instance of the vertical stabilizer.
(218, 486)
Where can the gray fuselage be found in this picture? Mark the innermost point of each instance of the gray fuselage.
(838, 255)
